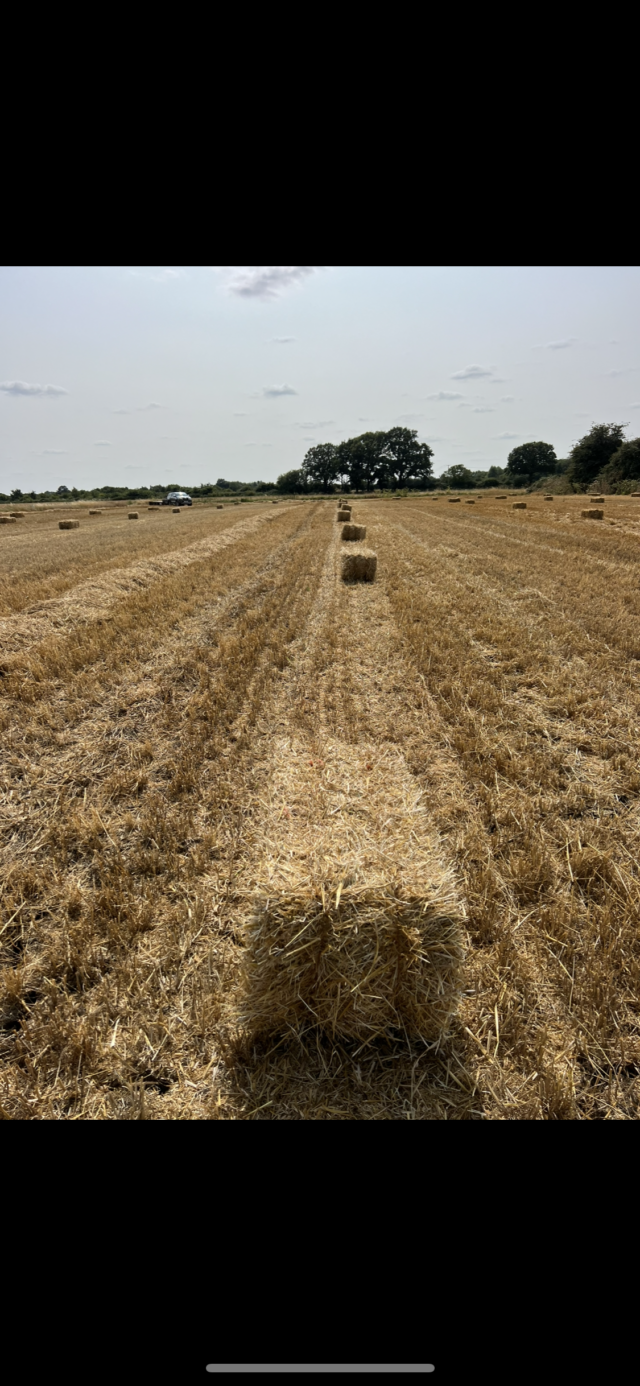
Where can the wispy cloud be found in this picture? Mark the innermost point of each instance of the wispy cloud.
(21, 387)
(103, 444)
(507, 399)
(629, 370)
(633, 406)
(559, 346)
(141, 409)
(479, 409)
(282, 340)
(267, 281)
(274, 391)
(446, 394)
(506, 435)
(471, 373)
(317, 423)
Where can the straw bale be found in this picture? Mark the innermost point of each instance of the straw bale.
(354, 532)
(95, 512)
(469, 502)
(17, 514)
(453, 500)
(68, 524)
(597, 500)
(220, 507)
(519, 505)
(547, 497)
(133, 514)
(592, 514)
(351, 918)
(343, 515)
(635, 493)
(7, 520)
(358, 565)
(176, 510)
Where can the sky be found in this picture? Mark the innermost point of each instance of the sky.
(136, 375)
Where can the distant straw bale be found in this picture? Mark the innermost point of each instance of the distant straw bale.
(133, 514)
(95, 512)
(519, 505)
(635, 493)
(16, 514)
(351, 917)
(597, 500)
(354, 532)
(7, 520)
(176, 510)
(68, 524)
(359, 566)
(220, 507)
(453, 500)
(547, 497)
(469, 502)
(592, 514)
(343, 515)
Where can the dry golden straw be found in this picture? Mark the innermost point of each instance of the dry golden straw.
(547, 497)
(133, 514)
(592, 514)
(519, 505)
(7, 520)
(598, 500)
(219, 507)
(176, 510)
(358, 566)
(343, 515)
(68, 524)
(17, 514)
(453, 500)
(351, 919)
(95, 512)
(354, 531)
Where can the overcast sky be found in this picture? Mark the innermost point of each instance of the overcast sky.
(139, 375)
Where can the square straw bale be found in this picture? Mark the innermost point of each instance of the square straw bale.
(133, 514)
(519, 505)
(219, 507)
(547, 497)
(453, 500)
(95, 512)
(17, 514)
(68, 524)
(7, 520)
(595, 500)
(343, 515)
(351, 916)
(592, 514)
(176, 510)
(354, 532)
(358, 565)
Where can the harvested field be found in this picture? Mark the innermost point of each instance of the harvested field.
(213, 744)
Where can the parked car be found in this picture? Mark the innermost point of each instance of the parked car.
(177, 498)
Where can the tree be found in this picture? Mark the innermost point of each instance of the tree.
(359, 459)
(291, 482)
(16, 495)
(530, 461)
(404, 460)
(591, 454)
(458, 476)
(63, 490)
(625, 463)
(321, 466)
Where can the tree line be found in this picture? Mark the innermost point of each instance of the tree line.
(396, 460)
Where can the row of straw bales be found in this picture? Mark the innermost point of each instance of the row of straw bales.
(358, 565)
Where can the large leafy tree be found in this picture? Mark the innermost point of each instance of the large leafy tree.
(530, 461)
(404, 459)
(292, 482)
(360, 459)
(321, 466)
(625, 463)
(591, 454)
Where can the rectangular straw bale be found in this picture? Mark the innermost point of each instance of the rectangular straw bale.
(95, 512)
(358, 565)
(469, 502)
(453, 500)
(519, 505)
(343, 515)
(176, 510)
(7, 520)
(592, 514)
(351, 916)
(354, 532)
(133, 514)
(68, 524)
(16, 514)
(547, 497)
(635, 493)
(596, 500)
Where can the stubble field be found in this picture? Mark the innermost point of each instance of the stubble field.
(185, 696)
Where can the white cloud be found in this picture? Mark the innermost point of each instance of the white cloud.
(507, 399)
(471, 373)
(20, 387)
(446, 394)
(507, 435)
(103, 444)
(274, 391)
(267, 281)
(55, 452)
(479, 409)
(281, 340)
(557, 346)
